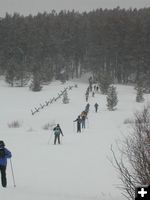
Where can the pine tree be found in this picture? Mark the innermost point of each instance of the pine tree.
(146, 82)
(9, 77)
(11, 71)
(104, 82)
(65, 98)
(112, 98)
(36, 83)
(139, 96)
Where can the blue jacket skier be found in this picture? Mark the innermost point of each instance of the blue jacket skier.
(57, 131)
(4, 155)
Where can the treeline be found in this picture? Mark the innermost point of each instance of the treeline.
(66, 44)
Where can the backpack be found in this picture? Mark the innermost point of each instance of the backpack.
(2, 153)
(57, 131)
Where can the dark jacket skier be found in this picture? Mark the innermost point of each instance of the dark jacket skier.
(87, 108)
(86, 96)
(78, 120)
(83, 118)
(97, 88)
(4, 155)
(90, 86)
(96, 107)
(93, 94)
(57, 131)
(87, 91)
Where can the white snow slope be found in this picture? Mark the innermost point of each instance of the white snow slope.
(78, 169)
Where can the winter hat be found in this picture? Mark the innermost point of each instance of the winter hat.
(2, 144)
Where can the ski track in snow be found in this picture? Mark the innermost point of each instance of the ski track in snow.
(78, 169)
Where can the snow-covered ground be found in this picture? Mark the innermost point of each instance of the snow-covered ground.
(79, 168)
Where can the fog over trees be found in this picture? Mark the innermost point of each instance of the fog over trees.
(66, 44)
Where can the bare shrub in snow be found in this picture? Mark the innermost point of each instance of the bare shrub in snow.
(128, 121)
(14, 124)
(133, 164)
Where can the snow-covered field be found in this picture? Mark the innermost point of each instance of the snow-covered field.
(78, 169)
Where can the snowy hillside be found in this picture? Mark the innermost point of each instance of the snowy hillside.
(78, 169)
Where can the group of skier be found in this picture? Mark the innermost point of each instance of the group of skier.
(91, 88)
(5, 153)
(83, 117)
(87, 94)
(80, 120)
(81, 123)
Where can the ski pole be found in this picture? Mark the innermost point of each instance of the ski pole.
(61, 139)
(73, 127)
(12, 172)
(87, 122)
(50, 139)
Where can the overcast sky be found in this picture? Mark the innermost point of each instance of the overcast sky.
(27, 7)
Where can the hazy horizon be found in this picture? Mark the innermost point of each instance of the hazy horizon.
(26, 7)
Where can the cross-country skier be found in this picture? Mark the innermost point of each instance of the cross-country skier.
(83, 118)
(57, 131)
(87, 108)
(90, 86)
(96, 107)
(4, 154)
(78, 120)
(86, 96)
(93, 93)
(88, 90)
(97, 88)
